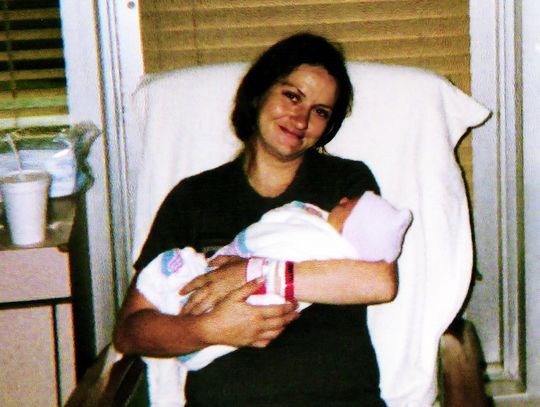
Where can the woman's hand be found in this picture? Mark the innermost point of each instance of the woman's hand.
(210, 288)
(141, 329)
(234, 322)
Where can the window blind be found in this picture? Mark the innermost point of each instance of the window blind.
(431, 34)
(32, 78)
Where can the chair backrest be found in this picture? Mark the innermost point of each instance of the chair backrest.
(405, 125)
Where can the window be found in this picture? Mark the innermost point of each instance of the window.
(32, 77)
(432, 34)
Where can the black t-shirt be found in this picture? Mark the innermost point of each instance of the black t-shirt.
(325, 357)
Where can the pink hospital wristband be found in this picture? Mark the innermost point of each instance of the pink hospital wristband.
(278, 275)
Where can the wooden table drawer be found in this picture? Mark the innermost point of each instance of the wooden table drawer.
(34, 274)
(27, 376)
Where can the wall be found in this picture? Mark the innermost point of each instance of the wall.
(504, 63)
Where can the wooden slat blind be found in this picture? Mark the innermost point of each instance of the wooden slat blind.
(432, 34)
(32, 77)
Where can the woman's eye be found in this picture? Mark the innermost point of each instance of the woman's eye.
(325, 114)
(291, 96)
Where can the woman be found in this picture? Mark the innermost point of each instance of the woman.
(292, 100)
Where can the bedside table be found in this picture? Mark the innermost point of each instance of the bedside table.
(37, 352)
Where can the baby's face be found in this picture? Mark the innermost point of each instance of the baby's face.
(341, 212)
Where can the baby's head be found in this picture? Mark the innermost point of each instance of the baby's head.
(339, 213)
(374, 227)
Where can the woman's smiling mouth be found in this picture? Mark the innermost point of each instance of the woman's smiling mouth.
(299, 135)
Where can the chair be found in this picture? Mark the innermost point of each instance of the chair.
(405, 125)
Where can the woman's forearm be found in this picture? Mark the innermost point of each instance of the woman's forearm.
(345, 282)
(141, 329)
(151, 333)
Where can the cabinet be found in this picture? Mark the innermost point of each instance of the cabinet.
(36, 325)
(37, 353)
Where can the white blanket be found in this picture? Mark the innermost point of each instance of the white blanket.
(405, 125)
(288, 233)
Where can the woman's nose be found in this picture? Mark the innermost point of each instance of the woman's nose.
(300, 118)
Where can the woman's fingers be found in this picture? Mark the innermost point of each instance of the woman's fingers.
(206, 291)
(242, 293)
(195, 284)
(205, 297)
(271, 319)
(265, 338)
(219, 261)
(270, 328)
(237, 323)
(199, 302)
(279, 317)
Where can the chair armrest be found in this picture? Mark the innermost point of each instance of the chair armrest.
(461, 361)
(113, 380)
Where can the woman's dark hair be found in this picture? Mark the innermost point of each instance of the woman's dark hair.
(278, 62)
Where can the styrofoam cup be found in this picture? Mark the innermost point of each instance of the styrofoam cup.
(25, 196)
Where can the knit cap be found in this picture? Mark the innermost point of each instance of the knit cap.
(376, 229)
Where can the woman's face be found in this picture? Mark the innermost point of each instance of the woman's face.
(295, 111)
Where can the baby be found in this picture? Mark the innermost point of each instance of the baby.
(367, 228)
